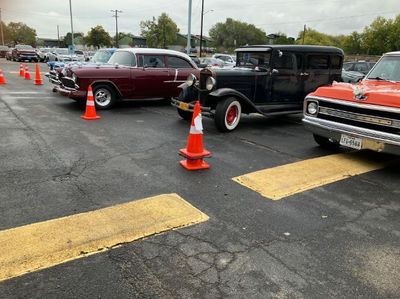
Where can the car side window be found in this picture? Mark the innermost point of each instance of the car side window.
(299, 60)
(284, 61)
(347, 66)
(361, 67)
(336, 62)
(178, 63)
(153, 61)
(318, 62)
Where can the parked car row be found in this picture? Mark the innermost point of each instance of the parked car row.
(268, 80)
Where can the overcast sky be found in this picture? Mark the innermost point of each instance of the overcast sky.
(329, 16)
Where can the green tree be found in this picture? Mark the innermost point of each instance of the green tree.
(159, 32)
(98, 37)
(283, 39)
(377, 36)
(352, 44)
(20, 33)
(313, 37)
(233, 33)
(68, 37)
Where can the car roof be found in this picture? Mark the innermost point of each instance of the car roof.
(154, 51)
(295, 48)
(396, 53)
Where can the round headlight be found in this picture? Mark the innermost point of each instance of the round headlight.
(210, 83)
(191, 79)
(312, 108)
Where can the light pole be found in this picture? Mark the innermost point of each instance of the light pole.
(189, 35)
(116, 26)
(1, 29)
(201, 29)
(72, 27)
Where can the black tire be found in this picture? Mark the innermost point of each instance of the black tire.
(104, 96)
(325, 142)
(184, 97)
(227, 114)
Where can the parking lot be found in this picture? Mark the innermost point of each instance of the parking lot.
(274, 217)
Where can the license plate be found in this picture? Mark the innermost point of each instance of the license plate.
(183, 106)
(350, 141)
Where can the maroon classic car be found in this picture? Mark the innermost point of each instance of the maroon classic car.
(134, 73)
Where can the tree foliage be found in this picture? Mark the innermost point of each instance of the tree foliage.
(19, 33)
(68, 37)
(98, 37)
(233, 33)
(159, 32)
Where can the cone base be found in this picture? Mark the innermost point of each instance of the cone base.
(90, 117)
(184, 152)
(38, 83)
(3, 82)
(194, 164)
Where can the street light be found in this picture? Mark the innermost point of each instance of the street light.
(201, 27)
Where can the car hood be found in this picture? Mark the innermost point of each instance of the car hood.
(26, 51)
(368, 92)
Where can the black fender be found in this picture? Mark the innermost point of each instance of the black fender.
(229, 92)
(108, 82)
(188, 93)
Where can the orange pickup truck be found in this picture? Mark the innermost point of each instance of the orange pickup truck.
(365, 115)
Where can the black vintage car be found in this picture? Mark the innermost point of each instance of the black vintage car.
(269, 80)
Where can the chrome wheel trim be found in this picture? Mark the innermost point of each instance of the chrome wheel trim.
(102, 97)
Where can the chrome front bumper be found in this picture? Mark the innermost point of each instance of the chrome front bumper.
(372, 140)
(205, 111)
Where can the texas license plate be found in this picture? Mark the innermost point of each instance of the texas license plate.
(350, 141)
(183, 106)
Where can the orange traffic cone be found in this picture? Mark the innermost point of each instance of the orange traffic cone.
(38, 80)
(27, 74)
(90, 113)
(21, 70)
(2, 79)
(194, 151)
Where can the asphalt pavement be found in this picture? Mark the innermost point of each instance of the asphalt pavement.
(338, 239)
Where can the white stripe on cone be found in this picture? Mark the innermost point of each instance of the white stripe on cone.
(89, 103)
(90, 93)
(198, 123)
(193, 130)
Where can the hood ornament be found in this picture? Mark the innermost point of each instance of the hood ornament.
(359, 93)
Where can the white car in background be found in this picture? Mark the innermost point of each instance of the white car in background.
(229, 60)
(61, 54)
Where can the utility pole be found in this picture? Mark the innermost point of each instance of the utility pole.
(72, 27)
(116, 26)
(201, 26)
(189, 35)
(304, 33)
(1, 29)
(58, 36)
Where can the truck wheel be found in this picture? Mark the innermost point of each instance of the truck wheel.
(325, 142)
(104, 96)
(227, 114)
(186, 115)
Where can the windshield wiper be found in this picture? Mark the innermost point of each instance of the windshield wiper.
(378, 78)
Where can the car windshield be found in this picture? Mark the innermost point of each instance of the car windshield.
(123, 58)
(23, 47)
(101, 56)
(253, 59)
(62, 51)
(387, 69)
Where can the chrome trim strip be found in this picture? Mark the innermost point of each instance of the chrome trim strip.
(352, 130)
(364, 118)
(357, 105)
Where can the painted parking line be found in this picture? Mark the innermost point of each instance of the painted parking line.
(283, 181)
(41, 245)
